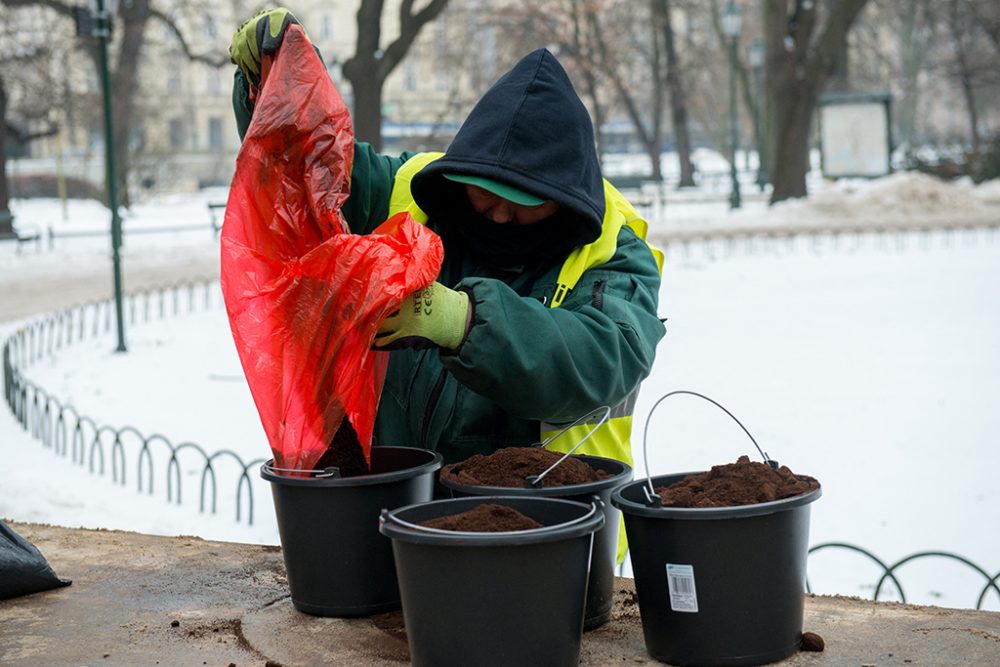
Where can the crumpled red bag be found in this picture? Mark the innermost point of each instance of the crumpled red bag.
(304, 296)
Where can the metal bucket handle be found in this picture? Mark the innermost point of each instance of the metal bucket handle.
(652, 498)
(536, 480)
(328, 472)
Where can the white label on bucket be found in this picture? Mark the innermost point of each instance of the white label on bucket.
(680, 581)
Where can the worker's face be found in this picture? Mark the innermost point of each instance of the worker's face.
(502, 211)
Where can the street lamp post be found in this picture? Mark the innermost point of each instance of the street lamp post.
(95, 21)
(732, 20)
(760, 115)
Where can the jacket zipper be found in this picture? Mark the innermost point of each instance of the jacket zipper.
(431, 404)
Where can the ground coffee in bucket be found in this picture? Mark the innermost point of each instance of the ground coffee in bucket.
(745, 482)
(486, 518)
(511, 465)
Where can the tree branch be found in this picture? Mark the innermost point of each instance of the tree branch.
(409, 27)
(834, 34)
(63, 8)
(212, 60)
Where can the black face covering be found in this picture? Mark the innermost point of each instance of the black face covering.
(509, 244)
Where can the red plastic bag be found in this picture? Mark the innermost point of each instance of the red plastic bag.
(304, 296)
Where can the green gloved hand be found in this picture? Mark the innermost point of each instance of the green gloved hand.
(259, 35)
(431, 317)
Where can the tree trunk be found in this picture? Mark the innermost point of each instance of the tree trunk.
(648, 137)
(797, 67)
(370, 65)
(6, 223)
(580, 46)
(910, 55)
(678, 103)
(367, 104)
(964, 75)
(125, 87)
(791, 159)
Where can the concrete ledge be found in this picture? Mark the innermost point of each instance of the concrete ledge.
(143, 600)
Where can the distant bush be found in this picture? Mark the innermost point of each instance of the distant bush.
(982, 167)
(47, 185)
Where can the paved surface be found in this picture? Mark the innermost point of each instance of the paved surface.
(140, 600)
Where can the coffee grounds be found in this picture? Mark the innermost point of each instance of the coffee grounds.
(812, 642)
(745, 482)
(345, 452)
(509, 466)
(485, 518)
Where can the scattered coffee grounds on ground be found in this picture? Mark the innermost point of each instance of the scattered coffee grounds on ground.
(345, 452)
(509, 466)
(745, 482)
(812, 642)
(485, 518)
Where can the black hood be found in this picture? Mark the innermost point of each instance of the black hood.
(529, 130)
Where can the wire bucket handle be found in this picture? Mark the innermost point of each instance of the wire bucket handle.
(652, 498)
(536, 480)
(325, 473)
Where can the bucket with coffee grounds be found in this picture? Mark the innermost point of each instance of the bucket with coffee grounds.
(579, 478)
(719, 559)
(337, 563)
(493, 580)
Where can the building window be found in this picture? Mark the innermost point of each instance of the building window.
(215, 133)
(326, 31)
(409, 76)
(177, 133)
(210, 29)
(213, 81)
(174, 81)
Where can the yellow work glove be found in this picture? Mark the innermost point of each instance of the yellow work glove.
(259, 35)
(431, 317)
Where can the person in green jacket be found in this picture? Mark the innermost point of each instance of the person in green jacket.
(545, 308)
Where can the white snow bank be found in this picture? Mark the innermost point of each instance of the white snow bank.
(899, 197)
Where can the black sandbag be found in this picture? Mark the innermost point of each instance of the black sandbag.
(23, 569)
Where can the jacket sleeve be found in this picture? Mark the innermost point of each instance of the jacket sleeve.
(372, 173)
(556, 364)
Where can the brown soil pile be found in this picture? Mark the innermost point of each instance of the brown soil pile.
(345, 452)
(745, 482)
(485, 518)
(812, 642)
(508, 467)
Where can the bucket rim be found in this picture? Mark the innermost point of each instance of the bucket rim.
(631, 507)
(396, 528)
(434, 463)
(597, 486)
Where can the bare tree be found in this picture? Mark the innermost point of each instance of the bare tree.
(370, 65)
(800, 54)
(25, 69)
(678, 102)
(130, 30)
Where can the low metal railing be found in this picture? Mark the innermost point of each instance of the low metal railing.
(101, 448)
(889, 570)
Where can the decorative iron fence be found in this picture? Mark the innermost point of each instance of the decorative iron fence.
(101, 447)
(889, 571)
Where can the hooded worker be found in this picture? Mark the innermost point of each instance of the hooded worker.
(546, 304)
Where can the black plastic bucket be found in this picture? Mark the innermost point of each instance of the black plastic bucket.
(509, 598)
(718, 586)
(337, 563)
(600, 587)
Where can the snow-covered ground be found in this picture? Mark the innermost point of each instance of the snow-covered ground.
(871, 363)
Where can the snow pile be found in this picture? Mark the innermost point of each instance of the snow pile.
(898, 198)
(988, 191)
